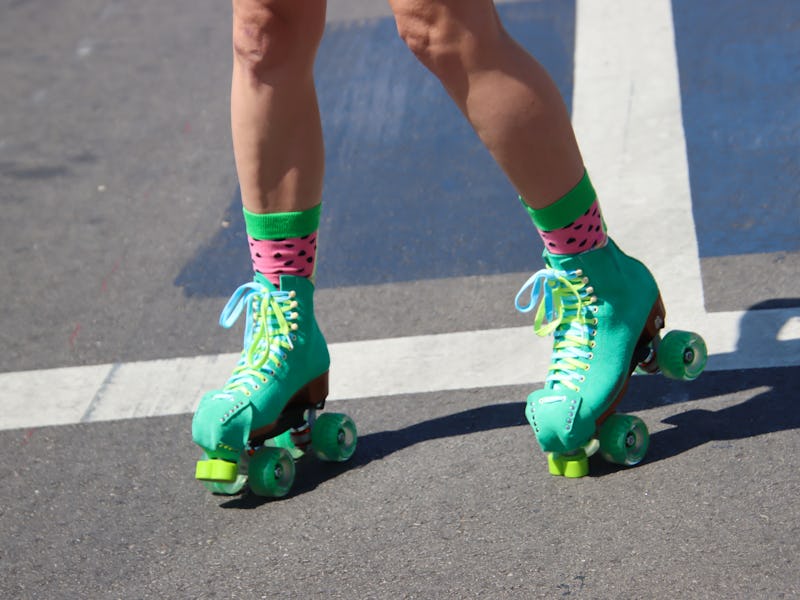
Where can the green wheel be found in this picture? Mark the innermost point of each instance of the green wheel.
(334, 437)
(623, 439)
(682, 355)
(226, 489)
(271, 472)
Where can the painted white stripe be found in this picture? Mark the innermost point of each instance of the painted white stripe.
(627, 115)
(23, 402)
(363, 369)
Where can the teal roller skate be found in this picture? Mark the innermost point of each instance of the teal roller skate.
(605, 313)
(264, 418)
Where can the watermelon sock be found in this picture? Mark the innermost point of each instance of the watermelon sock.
(283, 243)
(574, 223)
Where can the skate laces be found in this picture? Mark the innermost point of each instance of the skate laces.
(268, 333)
(564, 307)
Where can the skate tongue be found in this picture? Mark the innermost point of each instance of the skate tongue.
(259, 278)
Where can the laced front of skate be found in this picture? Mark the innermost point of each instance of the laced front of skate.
(566, 307)
(268, 335)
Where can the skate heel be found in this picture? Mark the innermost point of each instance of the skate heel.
(314, 393)
(644, 355)
(309, 397)
(655, 322)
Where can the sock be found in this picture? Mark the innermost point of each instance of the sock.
(574, 223)
(283, 243)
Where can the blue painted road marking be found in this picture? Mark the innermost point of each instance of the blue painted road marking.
(410, 192)
(740, 85)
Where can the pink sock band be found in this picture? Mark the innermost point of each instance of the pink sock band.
(583, 234)
(290, 256)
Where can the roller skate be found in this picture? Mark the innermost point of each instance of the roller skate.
(264, 418)
(606, 315)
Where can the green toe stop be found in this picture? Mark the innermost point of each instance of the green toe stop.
(216, 470)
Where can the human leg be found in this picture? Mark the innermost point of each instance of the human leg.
(277, 140)
(275, 122)
(602, 306)
(506, 95)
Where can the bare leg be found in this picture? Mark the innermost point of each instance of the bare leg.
(277, 140)
(507, 96)
(277, 135)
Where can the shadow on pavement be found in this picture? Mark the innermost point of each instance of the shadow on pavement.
(772, 408)
(379, 445)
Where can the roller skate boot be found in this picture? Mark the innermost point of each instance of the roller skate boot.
(605, 313)
(264, 417)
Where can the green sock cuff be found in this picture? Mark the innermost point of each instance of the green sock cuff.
(276, 226)
(564, 210)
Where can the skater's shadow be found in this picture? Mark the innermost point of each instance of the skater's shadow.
(376, 446)
(769, 401)
(770, 406)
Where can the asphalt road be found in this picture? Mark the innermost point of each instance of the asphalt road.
(121, 242)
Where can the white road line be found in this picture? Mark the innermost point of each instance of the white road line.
(627, 115)
(363, 369)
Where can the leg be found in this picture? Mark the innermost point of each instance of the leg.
(507, 96)
(599, 304)
(277, 139)
(277, 135)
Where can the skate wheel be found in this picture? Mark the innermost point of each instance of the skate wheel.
(682, 355)
(624, 439)
(226, 489)
(271, 472)
(334, 437)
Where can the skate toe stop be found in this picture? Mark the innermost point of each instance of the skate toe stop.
(571, 466)
(222, 471)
